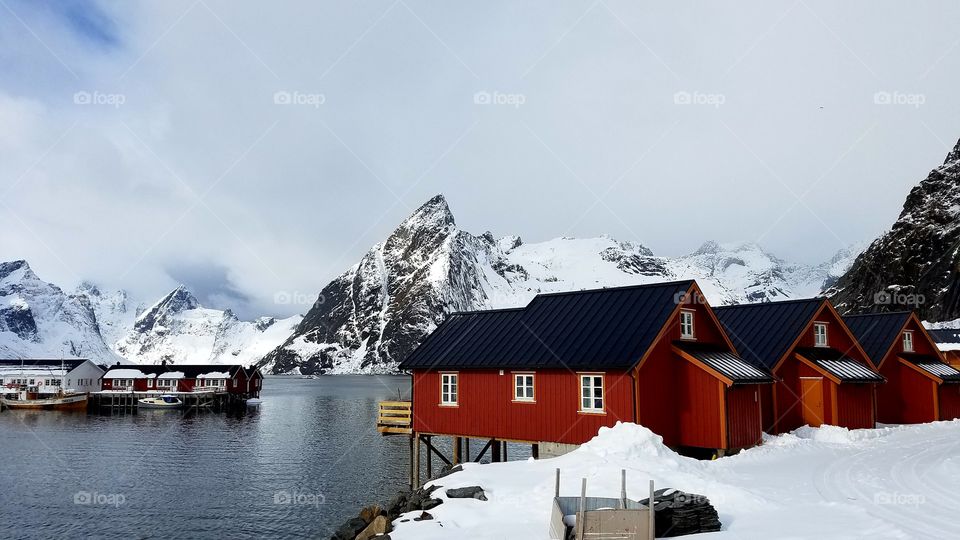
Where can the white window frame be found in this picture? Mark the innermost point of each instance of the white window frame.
(589, 393)
(166, 383)
(908, 341)
(816, 335)
(122, 384)
(520, 387)
(449, 389)
(684, 334)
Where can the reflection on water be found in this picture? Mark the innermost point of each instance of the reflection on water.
(297, 466)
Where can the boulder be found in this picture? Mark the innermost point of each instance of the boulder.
(379, 525)
(430, 504)
(447, 470)
(397, 504)
(424, 516)
(350, 529)
(471, 492)
(369, 513)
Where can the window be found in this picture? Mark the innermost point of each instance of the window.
(686, 324)
(523, 387)
(908, 341)
(122, 383)
(448, 388)
(165, 383)
(820, 334)
(591, 393)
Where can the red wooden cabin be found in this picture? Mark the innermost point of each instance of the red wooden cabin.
(920, 387)
(948, 342)
(569, 363)
(178, 378)
(823, 375)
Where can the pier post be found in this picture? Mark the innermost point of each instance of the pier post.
(429, 442)
(416, 460)
(505, 451)
(412, 470)
(535, 451)
(457, 442)
(495, 451)
(466, 444)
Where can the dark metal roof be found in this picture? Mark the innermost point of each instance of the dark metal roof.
(69, 363)
(190, 371)
(840, 366)
(933, 366)
(763, 332)
(595, 329)
(727, 363)
(876, 332)
(945, 335)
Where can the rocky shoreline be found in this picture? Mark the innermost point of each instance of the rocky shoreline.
(376, 522)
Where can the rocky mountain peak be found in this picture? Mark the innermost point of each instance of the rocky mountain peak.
(954, 154)
(434, 213)
(709, 247)
(18, 270)
(176, 301)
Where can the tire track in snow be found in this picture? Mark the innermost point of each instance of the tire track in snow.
(843, 480)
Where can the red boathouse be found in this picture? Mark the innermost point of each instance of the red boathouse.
(569, 363)
(823, 375)
(182, 378)
(921, 387)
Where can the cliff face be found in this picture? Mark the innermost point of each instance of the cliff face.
(915, 264)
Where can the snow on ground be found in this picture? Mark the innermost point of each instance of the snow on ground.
(825, 483)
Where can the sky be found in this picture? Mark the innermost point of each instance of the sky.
(254, 151)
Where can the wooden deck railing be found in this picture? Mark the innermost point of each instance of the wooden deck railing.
(395, 417)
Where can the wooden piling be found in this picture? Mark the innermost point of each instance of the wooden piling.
(456, 450)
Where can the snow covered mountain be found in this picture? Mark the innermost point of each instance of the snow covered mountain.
(370, 317)
(915, 264)
(178, 330)
(39, 320)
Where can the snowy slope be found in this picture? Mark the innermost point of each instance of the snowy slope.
(39, 320)
(369, 318)
(178, 330)
(825, 483)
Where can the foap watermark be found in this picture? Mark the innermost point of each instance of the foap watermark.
(496, 97)
(899, 98)
(93, 498)
(887, 498)
(689, 298)
(714, 100)
(296, 97)
(897, 298)
(99, 98)
(297, 298)
(297, 497)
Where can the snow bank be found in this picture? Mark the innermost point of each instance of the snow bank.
(826, 483)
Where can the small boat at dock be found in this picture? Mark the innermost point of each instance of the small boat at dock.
(165, 401)
(30, 400)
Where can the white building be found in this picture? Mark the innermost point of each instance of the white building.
(49, 375)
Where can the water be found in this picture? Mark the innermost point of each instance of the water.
(300, 465)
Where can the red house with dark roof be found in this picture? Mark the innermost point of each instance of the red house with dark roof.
(920, 386)
(823, 375)
(569, 363)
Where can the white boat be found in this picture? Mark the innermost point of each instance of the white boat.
(254, 402)
(165, 401)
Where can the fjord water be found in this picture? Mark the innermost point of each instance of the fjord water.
(298, 466)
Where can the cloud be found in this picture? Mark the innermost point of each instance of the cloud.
(140, 138)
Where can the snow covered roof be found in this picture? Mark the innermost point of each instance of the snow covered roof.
(171, 375)
(214, 375)
(69, 363)
(125, 373)
(948, 339)
(180, 371)
(569, 330)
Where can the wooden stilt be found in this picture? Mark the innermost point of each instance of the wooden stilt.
(505, 450)
(412, 471)
(457, 442)
(466, 444)
(427, 440)
(416, 460)
(495, 448)
(535, 450)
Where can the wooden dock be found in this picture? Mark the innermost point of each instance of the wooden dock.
(215, 401)
(395, 418)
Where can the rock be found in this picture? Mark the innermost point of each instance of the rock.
(430, 504)
(446, 471)
(350, 529)
(379, 525)
(369, 513)
(397, 504)
(471, 492)
(425, 516)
